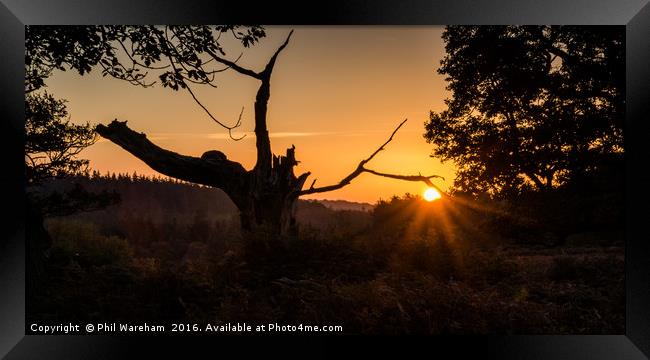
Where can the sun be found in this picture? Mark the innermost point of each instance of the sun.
(431, 194)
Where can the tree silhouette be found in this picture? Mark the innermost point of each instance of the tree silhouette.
(186, 56)
(532, 107)
(51, 141)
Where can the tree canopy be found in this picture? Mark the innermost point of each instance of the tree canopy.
(128, 52)
(531, 107)
(177, 56)
(51, 141)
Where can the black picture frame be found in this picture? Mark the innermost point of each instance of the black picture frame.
(633, 14)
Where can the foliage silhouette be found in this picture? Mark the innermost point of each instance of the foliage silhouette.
(52, 144)
(532, 107)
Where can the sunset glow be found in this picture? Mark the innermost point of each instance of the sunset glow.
(370, 180)
(336, 95)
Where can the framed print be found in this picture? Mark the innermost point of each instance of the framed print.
(466, 176)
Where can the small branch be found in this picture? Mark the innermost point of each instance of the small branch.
(384, 144)
(131, 57)
(266, 73)
(189, 89)
(361, 169)
(229, 128)
(425, 179)
(233, 65)
(300, 182)
(222, 69)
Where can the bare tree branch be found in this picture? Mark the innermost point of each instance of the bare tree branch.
(233, 65)
(424, 179)
(189, 89)
(361, 169)
(216, 172)
(264, 73)
(229, 128)
(269, 66)
(262, 141)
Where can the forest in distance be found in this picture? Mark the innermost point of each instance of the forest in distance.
(527, 239)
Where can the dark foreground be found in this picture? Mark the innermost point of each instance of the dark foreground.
(407, 267)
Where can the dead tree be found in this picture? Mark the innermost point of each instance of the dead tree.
(266, 194)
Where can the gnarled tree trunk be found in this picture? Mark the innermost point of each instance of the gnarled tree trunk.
(265, 199)
(271, 198)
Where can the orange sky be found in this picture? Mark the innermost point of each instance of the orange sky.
(336, 93)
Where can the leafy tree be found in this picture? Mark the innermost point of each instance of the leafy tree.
(81, 48)
(50, 48)
(532, 107)
(51, 141)
(52, 144)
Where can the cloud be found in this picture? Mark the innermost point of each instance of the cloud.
(153, 137)
(251, 135)
(272, 135)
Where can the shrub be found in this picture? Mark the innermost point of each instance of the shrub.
(83, 243)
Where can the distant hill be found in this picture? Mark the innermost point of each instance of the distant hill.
(340, 205)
